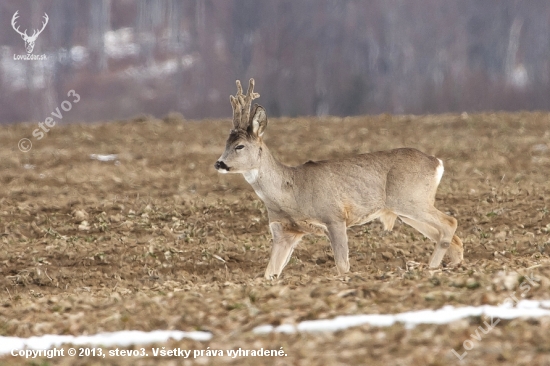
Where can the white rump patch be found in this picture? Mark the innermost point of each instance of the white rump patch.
(251, 175)
(439, 172)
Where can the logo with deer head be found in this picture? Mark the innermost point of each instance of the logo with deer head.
(29, 40)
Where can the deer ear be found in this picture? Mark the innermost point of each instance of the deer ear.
(259, 121)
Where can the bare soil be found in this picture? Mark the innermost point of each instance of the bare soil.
(159, 240)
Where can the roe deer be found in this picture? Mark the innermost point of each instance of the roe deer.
(326, 197)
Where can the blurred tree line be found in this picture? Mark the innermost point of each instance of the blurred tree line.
(309, 57)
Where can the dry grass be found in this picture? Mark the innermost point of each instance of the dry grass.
(159, 240)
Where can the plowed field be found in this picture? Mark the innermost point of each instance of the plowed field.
(157, 239)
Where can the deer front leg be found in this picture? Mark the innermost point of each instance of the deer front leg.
(284, 242)
(337, 234)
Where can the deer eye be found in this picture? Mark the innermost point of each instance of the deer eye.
(239, 147)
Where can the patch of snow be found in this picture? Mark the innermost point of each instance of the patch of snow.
(447, 314)
(187, 61)
(519, 77)
(79, 54)
(100, 157)
(154, 70)
(21, 74)
(540, 148)
(123, 339)
(120, 43)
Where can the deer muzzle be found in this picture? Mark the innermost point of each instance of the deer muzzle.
(221, 167)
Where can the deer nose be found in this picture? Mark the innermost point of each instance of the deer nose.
(220, 165)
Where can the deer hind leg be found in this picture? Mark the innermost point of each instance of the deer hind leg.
(337, 234)
(456, 251)
(284, 242)
(440, 228)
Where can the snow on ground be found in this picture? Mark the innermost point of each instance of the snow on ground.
(103, 157)
(120, 43)
(447, 314)
(123, 338)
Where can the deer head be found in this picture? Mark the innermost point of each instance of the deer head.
(29, 40)
(244, 144)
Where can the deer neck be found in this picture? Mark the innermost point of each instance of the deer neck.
(269, 176)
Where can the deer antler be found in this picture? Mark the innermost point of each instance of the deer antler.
(36, 33)
(13, 19)
(241, 105)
